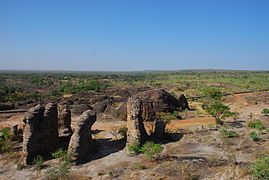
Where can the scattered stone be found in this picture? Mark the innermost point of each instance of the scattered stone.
(81, 143)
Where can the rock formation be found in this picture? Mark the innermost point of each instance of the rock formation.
(136, 131)
(157, 101)
(40, 135)
(183, 103)
(81, 143)
(64, 123)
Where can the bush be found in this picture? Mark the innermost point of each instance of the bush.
(254, 136)
(150, 149)
(265, 111)
(260, 169)
(227, 133)
(61, 171)
(63, 155)
(256, 124)
(57, 172)
(135, 148)
(5, 140)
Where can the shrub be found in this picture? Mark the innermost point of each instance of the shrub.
(135, 148)
(63, 155)
(151, 149)
(61, 171)
(57, 172)
(5, 140)
(227, 133)
(254, 136)
(256, 124)
(38, 161)
(260, 169)
(265, 111)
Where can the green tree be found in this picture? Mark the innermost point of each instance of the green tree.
(219, 111)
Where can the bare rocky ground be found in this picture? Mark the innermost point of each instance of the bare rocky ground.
(195, 152)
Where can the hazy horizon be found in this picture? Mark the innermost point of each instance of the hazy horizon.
(124, 36)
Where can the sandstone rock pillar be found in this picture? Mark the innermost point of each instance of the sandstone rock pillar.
(81, 143)
(64, 123)
(40, 134)
(136, 131)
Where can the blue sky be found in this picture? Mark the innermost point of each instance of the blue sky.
(128, 35)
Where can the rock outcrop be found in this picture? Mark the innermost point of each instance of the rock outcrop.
(40, 135)
(81, 143)
(136, 131)
(64, 123)
(183, 103)
(154, 101)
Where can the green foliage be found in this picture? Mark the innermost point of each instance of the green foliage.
(254, 136)
(61, 171)
(226, 133)
(57, 172)
(219, 111)
(167, 117)
(260, 169)
(256, 124)
(150, 149)
(38, 162)
(212, 93)
(265, 111)
(6, 133)
(63, 155)
(135, 148)
(5, 140)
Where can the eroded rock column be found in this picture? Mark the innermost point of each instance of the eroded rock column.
(40, 134)
(64, 122)
(81, 143)
(136, 131)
